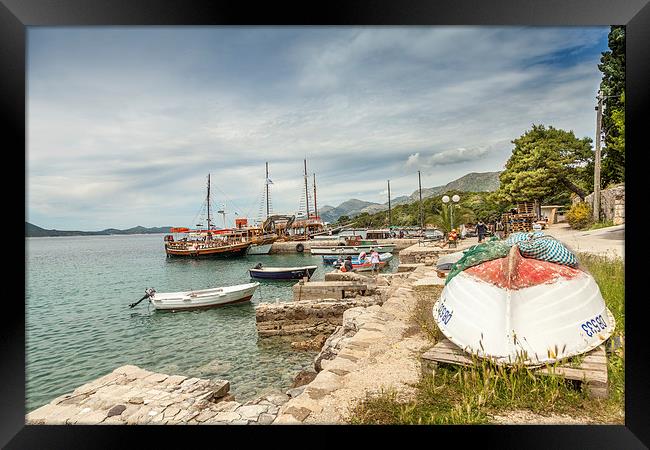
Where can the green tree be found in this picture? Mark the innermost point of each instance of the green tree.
(343, 219)
(545, 162)
(612, 65)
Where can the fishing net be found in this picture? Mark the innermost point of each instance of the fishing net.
(534, 245)
(549, 249)
(477, 254)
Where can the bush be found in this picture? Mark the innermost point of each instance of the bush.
(580, 216)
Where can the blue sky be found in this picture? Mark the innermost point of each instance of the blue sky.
(125, 123)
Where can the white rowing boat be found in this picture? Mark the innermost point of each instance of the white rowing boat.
(522, 309)
(205, 298)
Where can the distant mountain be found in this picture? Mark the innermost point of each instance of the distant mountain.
(331, 214)
(36, 231)
(472, 182)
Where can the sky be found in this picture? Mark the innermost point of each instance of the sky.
(125, 123)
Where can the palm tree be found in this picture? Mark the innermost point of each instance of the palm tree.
(442, 219)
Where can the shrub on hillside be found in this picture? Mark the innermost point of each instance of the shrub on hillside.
(580, 216)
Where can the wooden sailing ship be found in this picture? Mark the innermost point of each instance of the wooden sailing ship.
(209, 242)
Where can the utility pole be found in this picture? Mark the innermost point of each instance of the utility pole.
(389, 217)
(420, 187)
(267, 190)
(315, 207)
(599, 119)
(306, 191)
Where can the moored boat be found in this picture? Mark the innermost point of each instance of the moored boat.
(203, 298)
(523, 309)
(351, 249)
(366, 265)
(282, 273)
(208, 242)
(259, 249)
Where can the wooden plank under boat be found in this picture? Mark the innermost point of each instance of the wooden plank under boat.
(523, 309)
(282, 273)
(204, 298)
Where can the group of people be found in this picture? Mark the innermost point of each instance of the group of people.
(363, 259)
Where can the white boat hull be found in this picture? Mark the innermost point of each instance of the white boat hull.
(535, 325)
(351, 250)
(206, 298)
(259, 249)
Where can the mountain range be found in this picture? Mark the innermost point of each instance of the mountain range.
(36, 231)
(472, 182)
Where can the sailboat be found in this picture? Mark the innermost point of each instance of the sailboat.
(263, 238)
(208, 242)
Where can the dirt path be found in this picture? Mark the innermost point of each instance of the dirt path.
(608, 241)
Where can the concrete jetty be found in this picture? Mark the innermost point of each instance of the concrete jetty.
(314, 290)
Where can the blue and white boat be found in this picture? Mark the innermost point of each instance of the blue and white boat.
(332, 259)
(281, 273)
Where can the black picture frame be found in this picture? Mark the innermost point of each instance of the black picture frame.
(16, 15)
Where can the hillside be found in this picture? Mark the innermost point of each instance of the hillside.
(32, 230)
(330, 213)
(472, 182)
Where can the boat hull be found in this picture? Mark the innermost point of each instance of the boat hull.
(263, 249)
(211, 252)
(295, 273)
(559, 314)
(203, 299)
(351, 250)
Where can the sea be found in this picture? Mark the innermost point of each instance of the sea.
(79, 325)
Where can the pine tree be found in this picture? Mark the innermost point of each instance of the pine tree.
(613, 87)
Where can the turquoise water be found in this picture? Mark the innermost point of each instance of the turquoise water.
(79, 325)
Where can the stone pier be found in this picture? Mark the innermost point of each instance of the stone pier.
(316, 290)
(134, 396)
(376, 348)
(429, 254)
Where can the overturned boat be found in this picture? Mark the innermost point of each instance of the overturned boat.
(521, 307)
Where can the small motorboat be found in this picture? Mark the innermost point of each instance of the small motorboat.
(281, 273)
(204, 298)
(517, 309)
(366, 265)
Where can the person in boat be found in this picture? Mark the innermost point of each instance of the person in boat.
(348, 264)
(374, 260)
(362, 257)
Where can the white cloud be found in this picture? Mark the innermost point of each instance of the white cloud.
(139, 128)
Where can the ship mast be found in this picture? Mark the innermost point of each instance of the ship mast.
(306, 191)
(315, 207)
(208, 200)
(267, 190)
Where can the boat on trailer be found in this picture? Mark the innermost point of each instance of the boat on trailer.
(201, 299)
(282, 273)
(523, 310)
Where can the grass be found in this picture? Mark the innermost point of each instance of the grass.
(597, 225)
(470, 395)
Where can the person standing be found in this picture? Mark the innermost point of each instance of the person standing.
(374, 260)
(498, 228)
(348, 264)
(480, 230)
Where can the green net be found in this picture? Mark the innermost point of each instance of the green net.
(477, 254)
